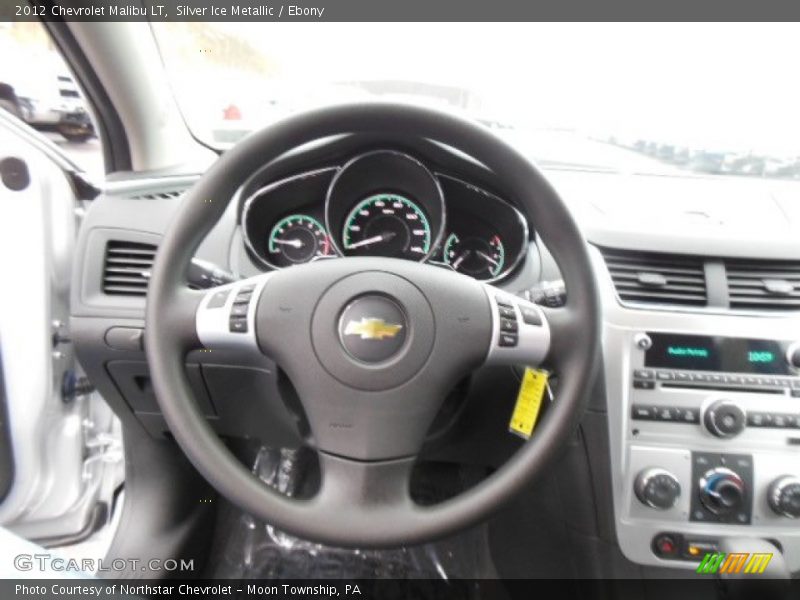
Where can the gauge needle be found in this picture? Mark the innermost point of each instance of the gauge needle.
(487, 258)
(464, 255)
(375, 238)
(293, 243)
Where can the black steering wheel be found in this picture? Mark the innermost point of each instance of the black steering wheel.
(372, 345)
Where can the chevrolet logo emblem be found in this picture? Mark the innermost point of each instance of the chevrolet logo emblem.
(372, 329)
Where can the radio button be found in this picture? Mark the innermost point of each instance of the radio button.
(665, 376)
(682, 376)
(755, 419)
(733, 379)
(688, 415)
(644, 385)
(643, 374)
(700, 377)
(666, 413)
(641, 412)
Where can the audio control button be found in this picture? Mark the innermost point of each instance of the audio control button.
(724, 419)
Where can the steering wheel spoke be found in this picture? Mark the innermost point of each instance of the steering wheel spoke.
(352, 488)
(226, 316)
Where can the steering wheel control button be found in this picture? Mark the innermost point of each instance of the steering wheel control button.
(657, 488)
(373, 329)
(238, 325)
(508, 325)
(530, 316)
(239, 310)
(219, 299)
(508, 340)
(243, 297)
(724, 419)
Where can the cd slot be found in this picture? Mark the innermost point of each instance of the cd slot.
(723, 388)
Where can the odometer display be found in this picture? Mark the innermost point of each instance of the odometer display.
(387, 225)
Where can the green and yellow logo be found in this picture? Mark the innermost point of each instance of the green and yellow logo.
(735, 562)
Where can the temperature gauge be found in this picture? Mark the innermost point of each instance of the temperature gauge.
(474, 256)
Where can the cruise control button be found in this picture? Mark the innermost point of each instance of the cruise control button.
(243, 297)
(239, 310)
(507, 313)
(530, 315)
(238, 325)
(508, 339)
(508, 325)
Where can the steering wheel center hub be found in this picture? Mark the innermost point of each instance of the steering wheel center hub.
(373, 330)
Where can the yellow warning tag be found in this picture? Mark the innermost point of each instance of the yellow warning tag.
(529, 402)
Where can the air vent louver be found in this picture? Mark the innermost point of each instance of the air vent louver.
(655, 278)
(159, 195)
(763, 284)
(126, 269)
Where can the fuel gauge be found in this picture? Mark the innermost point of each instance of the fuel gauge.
(474, 256)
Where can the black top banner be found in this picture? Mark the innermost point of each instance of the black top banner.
(399, 10)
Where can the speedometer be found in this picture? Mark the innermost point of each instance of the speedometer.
(387, 224)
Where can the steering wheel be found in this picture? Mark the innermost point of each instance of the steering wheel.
(372, 345)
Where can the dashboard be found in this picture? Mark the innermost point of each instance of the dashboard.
(383, 203)
(700, 377)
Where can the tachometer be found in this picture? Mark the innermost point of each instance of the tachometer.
(297, 239)
(477, 257)
(387, 225)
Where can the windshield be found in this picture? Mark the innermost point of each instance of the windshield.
(708, 98)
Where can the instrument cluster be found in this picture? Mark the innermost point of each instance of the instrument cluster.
(384, 203)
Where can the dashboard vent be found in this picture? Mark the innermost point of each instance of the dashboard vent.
(159, 195)
(655, 278)
(126, 269)
(763, 285)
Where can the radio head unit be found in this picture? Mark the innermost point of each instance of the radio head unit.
(717, 354)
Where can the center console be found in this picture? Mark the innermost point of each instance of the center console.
(704, 424)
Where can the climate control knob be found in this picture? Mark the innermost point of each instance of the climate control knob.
(724, 419)
(657, 488)
(722, 491)
(784, 496)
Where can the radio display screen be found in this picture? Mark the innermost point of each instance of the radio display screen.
(707, 353)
